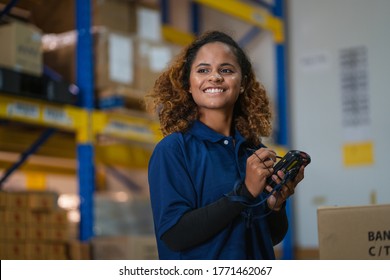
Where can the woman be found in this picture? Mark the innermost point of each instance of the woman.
(208, 175)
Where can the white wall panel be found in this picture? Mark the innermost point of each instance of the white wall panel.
(318, 31)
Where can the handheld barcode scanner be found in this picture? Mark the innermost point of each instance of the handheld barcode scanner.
(290, 165)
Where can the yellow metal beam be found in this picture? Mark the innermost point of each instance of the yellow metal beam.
(122, 126)
(123, 155)
(136, 134)
(41, 164)
(253, 15)
(34, 111)
(42, 168)
(175, 36)
(85, 124)
(58, 145)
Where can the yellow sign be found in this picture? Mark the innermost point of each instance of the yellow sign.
(359, 153)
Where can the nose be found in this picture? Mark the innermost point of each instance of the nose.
(215, 77)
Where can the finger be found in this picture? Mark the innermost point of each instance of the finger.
(268, 164)
(276, 179)
(281, 174)
(284, 193)
(290, 190)
(301, 174)
(299, 177)
(267, 154)
(269, 188)
(264, 171)
(263, 165)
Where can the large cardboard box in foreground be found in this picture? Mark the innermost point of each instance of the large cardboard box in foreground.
(354, 233)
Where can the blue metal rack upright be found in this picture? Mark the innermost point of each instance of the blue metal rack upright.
(283, 133)
(85, 148)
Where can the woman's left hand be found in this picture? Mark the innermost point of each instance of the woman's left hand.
(276, 200)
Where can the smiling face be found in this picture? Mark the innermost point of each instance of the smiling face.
(215, 79)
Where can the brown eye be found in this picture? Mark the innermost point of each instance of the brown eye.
(226, 71)
(202, 71)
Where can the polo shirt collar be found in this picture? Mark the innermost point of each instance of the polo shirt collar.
(203, 132)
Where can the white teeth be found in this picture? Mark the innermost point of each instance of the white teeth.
(213, 90)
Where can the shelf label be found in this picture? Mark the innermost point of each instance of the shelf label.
(126, 128)
(24, 110)
(57, 116)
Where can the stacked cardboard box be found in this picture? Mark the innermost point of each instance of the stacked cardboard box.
(125, 64)
(125, 247)
(33, 226)
(53, 16)
(129, 53)
(20, 48)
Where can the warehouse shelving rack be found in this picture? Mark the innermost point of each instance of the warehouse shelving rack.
(84, 121)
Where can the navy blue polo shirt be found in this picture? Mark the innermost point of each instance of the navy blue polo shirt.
(193, 169)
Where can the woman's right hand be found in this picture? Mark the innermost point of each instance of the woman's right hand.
(259, 166)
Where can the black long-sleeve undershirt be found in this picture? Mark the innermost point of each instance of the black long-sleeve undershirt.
(199, 225)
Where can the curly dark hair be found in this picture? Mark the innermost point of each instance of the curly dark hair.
(177, 109)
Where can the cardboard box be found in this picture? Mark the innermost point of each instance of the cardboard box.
(152, 58)
(53, 16)
(36, 233)
(3, 232)
(42, 200)
(56, 251)
(16, 200)
(354, 233)
(132, 247)
(113, 56)
(58, 217)
(37, 218)
(15, 216)
(15, 233)
(58, 233)
(20, 48)
(3, 253)
(122, 61)
(2, 216)
(3, 199)
(119, 15)
(15, 251)
(36, 251)
(79, 250)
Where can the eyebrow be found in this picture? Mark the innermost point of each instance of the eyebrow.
(207, 64)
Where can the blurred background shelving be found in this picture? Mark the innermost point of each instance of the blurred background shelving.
(73, 127)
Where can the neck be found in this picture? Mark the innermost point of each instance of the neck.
(219, 122)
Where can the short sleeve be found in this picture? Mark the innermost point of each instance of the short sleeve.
(171, 189)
